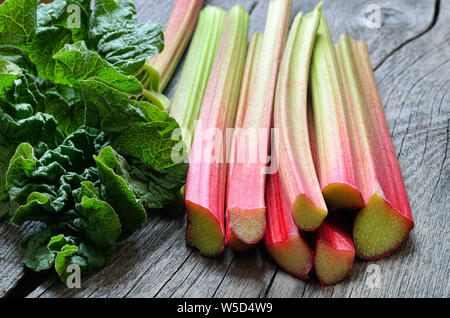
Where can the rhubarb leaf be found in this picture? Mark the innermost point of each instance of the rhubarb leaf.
(36, 254)
(120, 38)
(72, 15)
(99, 222)
(116, 192)
(76, 63)
(8, 73)
(17, 22)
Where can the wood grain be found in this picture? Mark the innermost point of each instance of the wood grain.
(411, 54)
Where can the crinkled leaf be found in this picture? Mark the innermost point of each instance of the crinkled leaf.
(64, 259)
(156, 189)
(48, 41)
(117, 193)
(8, 73)
(36, 255)
(72, 15)
(136, 129)
(44, 186)
(120, 38)
(17, 56)
(17, 22)
(76, 63)
(99, 223)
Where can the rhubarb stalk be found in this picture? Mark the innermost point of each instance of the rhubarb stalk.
(188, 97)
(334, 251)
(250, 71)
(283, 239)
(386, 220)
(245, 197)
(335, 164)
(206, 180)
(176, 37)
(297, 172)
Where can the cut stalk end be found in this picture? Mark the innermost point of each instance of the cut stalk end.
(204, 231)
(248, 225)
(293, 255)
(331, 265)
(342, 196)
(379, 229)
(306, 215)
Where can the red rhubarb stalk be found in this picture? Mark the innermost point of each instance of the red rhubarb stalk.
(176, 37)
(297, 172)
(206, 180)
(335, 164)
(283, 239)
(386, 220)
(250, 71)
(334, 252)
(245, 198)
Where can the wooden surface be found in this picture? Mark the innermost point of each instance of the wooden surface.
(411, 57)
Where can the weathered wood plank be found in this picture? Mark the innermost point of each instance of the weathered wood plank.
(400, 21)
(11, 265)
(156, 261)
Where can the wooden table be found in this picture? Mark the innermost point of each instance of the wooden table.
(410, 53)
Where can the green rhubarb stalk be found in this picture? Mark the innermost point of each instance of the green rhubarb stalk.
(386, 220)
(191, 86)
(335, 164)
(246, 189)
(176, 37)
(250, 71)
(296, 166)
(207, 174)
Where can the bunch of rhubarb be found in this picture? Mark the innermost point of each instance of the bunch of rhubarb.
(330, 164)
(206, 180)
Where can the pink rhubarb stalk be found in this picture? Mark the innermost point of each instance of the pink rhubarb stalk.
(335, 164)
(297, 172)
(206, 180)
(334, 252)
(386, 220)
(245, 197)
(250, 71)
(283, 239)
(176, 37)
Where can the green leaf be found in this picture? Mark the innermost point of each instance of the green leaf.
(44, 186)
(17, 56)
(99, 222)
(156, 189)
(36, 255)
(72, 15)
(64, 259)
(48, 41)
(76, 63)
(8, 73)
(58, 242)
(117, 193)
(120, 38)
(137, 129)
(17, 22)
